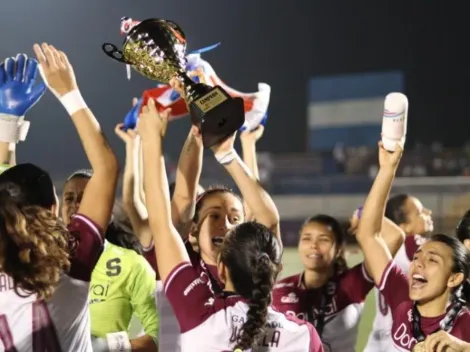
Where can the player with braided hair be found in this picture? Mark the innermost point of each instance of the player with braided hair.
(428, 306)
(248, 264)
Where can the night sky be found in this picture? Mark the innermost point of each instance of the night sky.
(282, 43)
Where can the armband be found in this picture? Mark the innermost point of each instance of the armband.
(226, 157)
(13, 129)
(73, 102)
(119, 342)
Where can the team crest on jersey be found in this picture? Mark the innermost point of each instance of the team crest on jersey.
(210, 302)
(290, 298)
(410, 316)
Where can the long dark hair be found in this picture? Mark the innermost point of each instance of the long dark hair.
(252, 254)
(395, 208)
(119, 231)
(461, 264)
(340, 237)
(207, 193)
(34, 244)
(463, 228)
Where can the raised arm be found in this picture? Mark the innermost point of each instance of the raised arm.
(392, 234)
(376, 254)
(188, 173)
(169, 246)
(57, 73)
(140, 226)
(248, 141)
(259, 201)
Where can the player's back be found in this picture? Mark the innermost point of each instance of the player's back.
(62, 322)
(212, 323)
(220, 331)
(29, 325)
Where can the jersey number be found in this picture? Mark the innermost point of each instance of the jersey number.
(44, 335)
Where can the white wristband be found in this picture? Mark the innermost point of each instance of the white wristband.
(119, 342)
(226, 157)
(13, 129)
(73, 102)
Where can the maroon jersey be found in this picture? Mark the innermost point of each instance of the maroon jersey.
(394, 288)
(346, 294)
(380, 337)
(212, 323)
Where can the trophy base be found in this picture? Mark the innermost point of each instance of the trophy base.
(218, 115)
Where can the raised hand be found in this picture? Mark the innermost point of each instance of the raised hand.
(225, 146)
(151, 123)
(253, 136)
(18, 92)
(130, 121)
(389, 159)
(55, 70)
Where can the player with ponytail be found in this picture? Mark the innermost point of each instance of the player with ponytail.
(428, 306)
(248, 264)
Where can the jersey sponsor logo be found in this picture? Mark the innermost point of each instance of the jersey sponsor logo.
(113, 267)
(99, 292)
(290, 298)
(402, 337)
(203, 279)
(6, 283)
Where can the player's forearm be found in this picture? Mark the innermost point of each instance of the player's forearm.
(251, 161)
(188, 174)
(144, 343)
(249, 157)
(392, 235)
(374, 206)
(5, 156)
(97, 149)
(140, 227)
(258, 200)
(156, 186)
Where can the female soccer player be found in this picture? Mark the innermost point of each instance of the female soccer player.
(415, 220)
(249, 261)
(47, 266)
(328, 293)
(122, 284)
(428, 306)
(208, 219)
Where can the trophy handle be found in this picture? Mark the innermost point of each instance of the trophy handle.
(113, 52)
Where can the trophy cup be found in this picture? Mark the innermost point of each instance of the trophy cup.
(156, 48)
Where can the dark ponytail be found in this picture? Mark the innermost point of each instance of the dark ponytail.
(263, 282)
(252, 255)
(466, 292)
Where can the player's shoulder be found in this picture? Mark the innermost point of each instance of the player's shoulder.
(289, 282)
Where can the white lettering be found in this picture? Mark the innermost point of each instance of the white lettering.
(402, 336)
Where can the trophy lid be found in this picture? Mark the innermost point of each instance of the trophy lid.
(156, 48)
